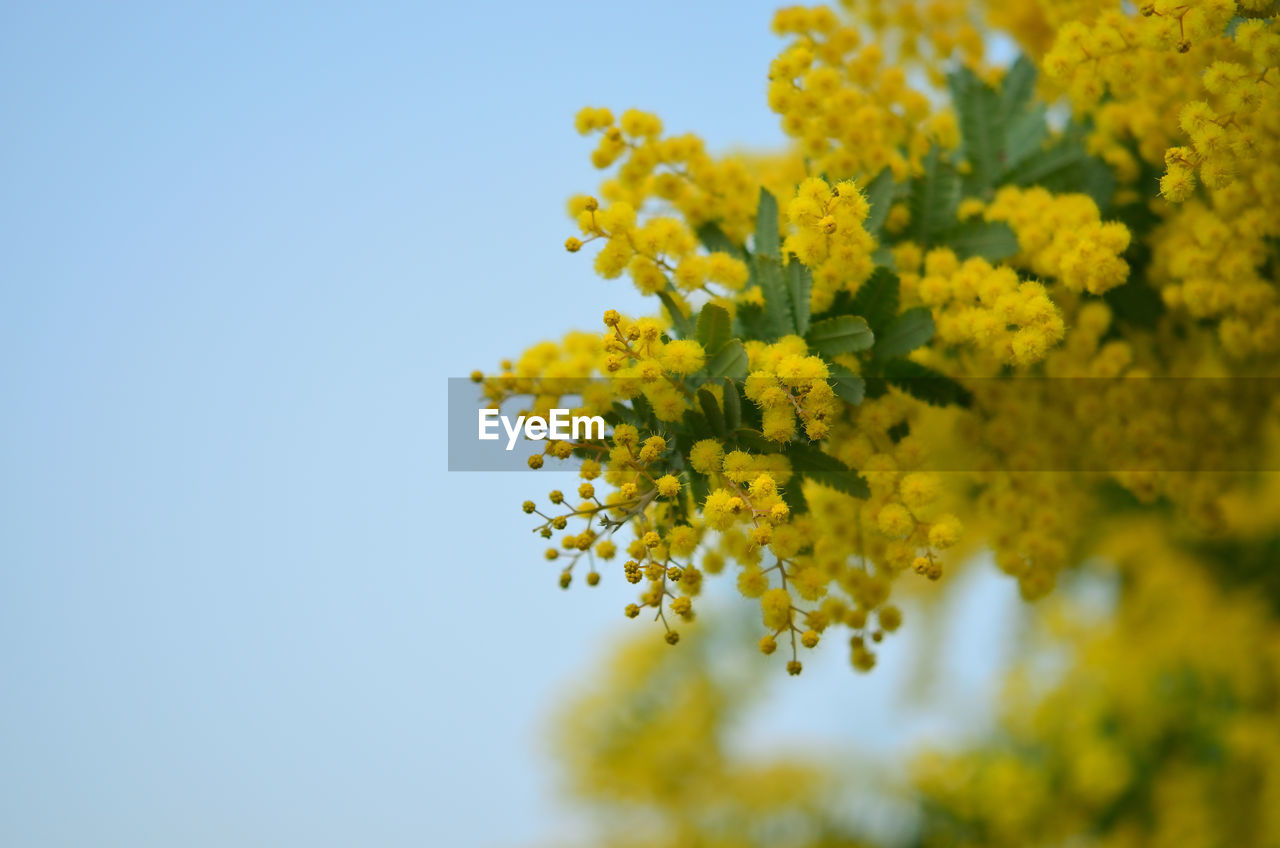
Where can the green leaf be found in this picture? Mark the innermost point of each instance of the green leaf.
(1135, 302)
(755, 440)
(1047, 166)
(768, 241)
(1067, 167)
(981, 127)
(905, 333)
(992, 240)
(777, 299)
(711, 409)
(799, 285)
(643, 409)
(999, 129)
(842, 334)
(777, 307)
(732, 405)
(876, 386)
(1098, 181)
(1018, 86)
(749, 321)
(821, 467)
(924, 383)
(692, 427)
(714, 239)
(933, 199)
(699, 486)
(679, 321)
(628, 415)
(729, 361)
(793, 494)
(715, 327)
(848, 386)
(877, 299)
(879, 194)
(1024, 135)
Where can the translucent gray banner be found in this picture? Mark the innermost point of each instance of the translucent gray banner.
(1017, 423)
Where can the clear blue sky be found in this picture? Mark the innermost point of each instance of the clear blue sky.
(242, 246)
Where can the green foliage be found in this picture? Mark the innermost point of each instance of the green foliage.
(729, 361)
(924, 383)
(905, 333)
(778, 315)
(932, 200)
(714, 239)
(877, 299)
(1018, 86)
(1066, 166)
(1004, 134)
(679, 320)
(999, 129)
(842, 334)
(808, 461)
(711, 411)
(982, 128)
(715, 327)
(825, 469)
(879, 193)
(1024, 135)
(799, 287)
(848, 386)
(992, 240)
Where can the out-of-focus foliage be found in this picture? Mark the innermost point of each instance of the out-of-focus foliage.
(1163, 730)
(1157, 723)
(648, 747)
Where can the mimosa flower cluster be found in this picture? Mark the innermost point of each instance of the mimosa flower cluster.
(967, 307)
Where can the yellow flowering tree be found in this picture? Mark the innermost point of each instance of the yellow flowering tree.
(973, 305)
(1022, 305)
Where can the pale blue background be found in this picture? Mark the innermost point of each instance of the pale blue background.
(243, 246)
